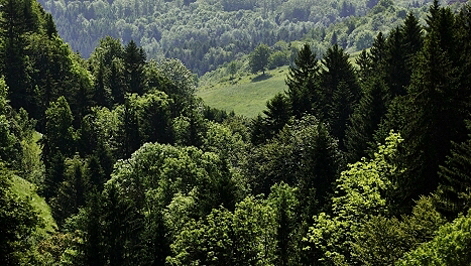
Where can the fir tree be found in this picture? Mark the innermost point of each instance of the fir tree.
(301, 82)
(365, 120)
(339, 91)
(276, 116)
(454, 195)
(14, 64)
(134, 61)
(435, 116)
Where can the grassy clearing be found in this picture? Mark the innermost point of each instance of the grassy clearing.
(246, 96)
(26, 190)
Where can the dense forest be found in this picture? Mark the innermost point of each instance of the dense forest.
(354, 164)
(204, 34)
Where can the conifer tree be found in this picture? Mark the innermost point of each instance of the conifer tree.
(435, 117)
(58, 143)
(365, 120)
(340, 91)
(134, 61)
(14, 65)
(71, 192)
(397, 77)
(453, 194)
(301, 82)
(412, 39)
(276, 116)
(284, 202)
(129, 130)
(377, 51)
(364, 66)
(51, 29)
(101, 95)
(116, 81)
(93, 247)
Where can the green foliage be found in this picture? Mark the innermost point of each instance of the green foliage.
(302, 155)
(275, 118)
(58, 143)
(358, 197)
(18, 221)
(434, 97)
(453, 192)
(365, 120)
(339, 91)
(382, 241)
(449, 247)
(259, 58)
(285, 204)
(243, 237)
(302, 82)
(71, 192)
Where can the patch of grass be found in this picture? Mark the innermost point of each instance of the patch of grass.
(245, 96)
(25, 190)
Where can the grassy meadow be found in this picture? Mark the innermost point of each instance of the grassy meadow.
(246, 95)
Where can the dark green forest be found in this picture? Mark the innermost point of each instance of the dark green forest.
(356, 163)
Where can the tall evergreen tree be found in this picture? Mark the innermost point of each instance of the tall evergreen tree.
(276, 116)
(453, 194)
(14, 64)
(71, 192)
(340, 91)
(397, 77)
(58, 143)
(102, 93)
(301, 82)
(129, 130)
(283, 200)
(134, 62)
(412, 39)
(365, 120)
(372, 63)
(436, 115)
(116, 81)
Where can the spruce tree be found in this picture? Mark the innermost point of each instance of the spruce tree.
(301, 82)
(397, 77)
(71, 192)
(276, 116)
(116, 81)
(436, 115)
(364, 66)
(129, 130)
(51, 29)
(58, 143)
(339, 91)
(454, 195)
(101, 95)
(14, 64)
(134, 62)
(412, 40)
(365, 120)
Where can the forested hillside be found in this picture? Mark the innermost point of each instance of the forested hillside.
(365, 165)
(204, 34)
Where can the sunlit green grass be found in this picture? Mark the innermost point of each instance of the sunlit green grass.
(26, 190)
(246, 96)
